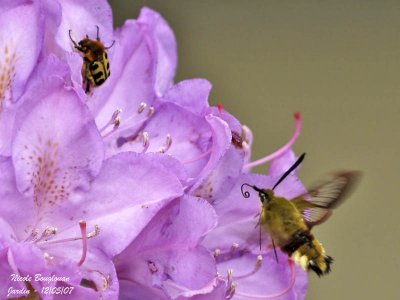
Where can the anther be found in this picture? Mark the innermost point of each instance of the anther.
(231, 291)
(230, 276)
(115, 120)
(95, 232)
(234, 246)
(146, 141)
(257, 266)
(48, 256)
(151, 111)
(231, 285)
(259, 261)
(49, 231)
(217, 252)
(247, 135)
(141, 107)
(168, 143)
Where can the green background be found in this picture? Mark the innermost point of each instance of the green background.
(337, 62)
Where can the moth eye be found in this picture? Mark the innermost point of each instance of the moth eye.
(263, 197)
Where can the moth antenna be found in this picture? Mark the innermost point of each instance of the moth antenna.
(259, 230)
(294, 166)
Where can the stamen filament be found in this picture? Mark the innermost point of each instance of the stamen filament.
(127, 122)
(115, 119)
(256, 268)
(89, 235)
(282, 150)
(201, 156)
(276, 295)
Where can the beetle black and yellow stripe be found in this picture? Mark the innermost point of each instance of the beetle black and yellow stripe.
(96, 66)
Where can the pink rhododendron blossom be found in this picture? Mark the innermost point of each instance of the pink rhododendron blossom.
(131, 190)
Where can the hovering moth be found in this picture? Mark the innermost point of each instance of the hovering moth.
(289, 222)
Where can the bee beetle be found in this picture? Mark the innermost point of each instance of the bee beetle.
(96, 67)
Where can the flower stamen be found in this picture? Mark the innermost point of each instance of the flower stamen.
(151, 111)
(247, 135)
(217, 252)
(52, 231)
(282, 150)
(132, 122)
(231, 285)
(256, 268)
(141, 107)
(49, 231)
(146, 141)
(167, 145)
(200, 157)
(276, 295)
(114, 120)
(82, 225)
(234, 246)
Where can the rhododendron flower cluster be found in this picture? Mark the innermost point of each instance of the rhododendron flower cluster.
(132, 190)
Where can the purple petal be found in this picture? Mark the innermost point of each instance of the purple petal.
(127, 193)
(132, 76)
(50, 69)
(57, 147)
(130, 290)
(191, 94)
(16, 64)
(18, 211)
(221, 142)
(166, 255)
(164, 49)
(7, 235)
(82, 17)
(217, 184)
(190, 136)
(5, 272)
(272, 279)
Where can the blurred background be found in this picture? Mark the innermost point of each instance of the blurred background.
(336, 62)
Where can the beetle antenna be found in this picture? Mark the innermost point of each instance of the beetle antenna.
(294, 166)
(112, 44)
(75, 44)
(97, 35)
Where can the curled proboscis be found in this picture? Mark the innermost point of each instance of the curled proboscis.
(246, 194)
